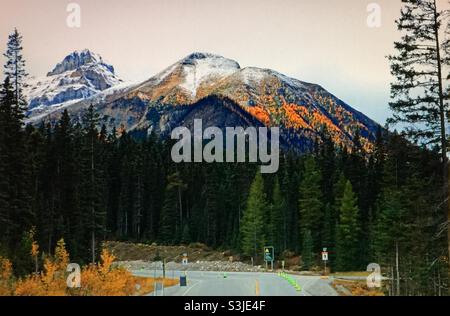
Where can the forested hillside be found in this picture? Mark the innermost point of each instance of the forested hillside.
(85, 185)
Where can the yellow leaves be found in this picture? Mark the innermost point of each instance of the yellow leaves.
(50, 271)
(96, 279)
(147, 285)
(61, 255)
(51, 282)
(5, 277)
(101, 279)
(116, 282)
(30, 286)
(5, 269)
(260, 113)
(107, 260)
(34, 249)
(39, 285)
(295, 116)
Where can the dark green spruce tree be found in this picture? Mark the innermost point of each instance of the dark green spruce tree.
(15, 69)
(348, 232)
(418, 94)
(252, 223)
(92, 184)
(311, 202)
(170, 229)
(277, 214)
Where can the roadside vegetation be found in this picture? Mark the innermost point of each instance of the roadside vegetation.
(101, 279)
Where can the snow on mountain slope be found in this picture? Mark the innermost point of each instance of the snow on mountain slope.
(80, 75)
(304, 111)
(200, 68)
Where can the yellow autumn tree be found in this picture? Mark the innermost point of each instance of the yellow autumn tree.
(50, 282)
(61, 255)
(6, 280)
(104, 280)
(34, 254)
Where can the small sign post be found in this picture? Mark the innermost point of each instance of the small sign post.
(184, 261)
(325, 258)
(269, 256)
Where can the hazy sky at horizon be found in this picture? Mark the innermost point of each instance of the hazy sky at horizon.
(322, 41)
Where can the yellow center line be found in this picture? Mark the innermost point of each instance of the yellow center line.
(257, 288)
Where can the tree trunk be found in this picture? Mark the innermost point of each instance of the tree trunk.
(93, 247)
(92, 201)
(442, 116)
(397, 269)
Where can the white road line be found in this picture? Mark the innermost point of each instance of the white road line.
(184, 294)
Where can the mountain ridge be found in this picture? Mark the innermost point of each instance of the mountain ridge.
(300, 108)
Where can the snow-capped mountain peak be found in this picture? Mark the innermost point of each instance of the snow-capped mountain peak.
(78, 59)
(200, 67)
(79, 75)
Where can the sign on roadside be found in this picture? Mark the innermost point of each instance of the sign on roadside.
(184, 261)
(324, 254)
(269, 255)
(325, 259)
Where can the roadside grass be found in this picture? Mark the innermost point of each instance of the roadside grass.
(147, 285)
(354, 288)
(352, 273)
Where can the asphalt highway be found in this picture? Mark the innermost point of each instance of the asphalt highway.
(243, 284)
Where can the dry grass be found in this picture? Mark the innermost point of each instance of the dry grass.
(147, 285)
(353, 273)
(354, 288)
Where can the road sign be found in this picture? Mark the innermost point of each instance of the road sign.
(269, 255)
(325, 259)
(184, 261)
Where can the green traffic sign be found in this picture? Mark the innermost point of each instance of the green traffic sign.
(269, 254)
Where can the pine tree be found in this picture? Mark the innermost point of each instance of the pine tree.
(348, 231)
(66, 180)
(307, 250)
(6, 100)
(310, 203)
(277, 214)
(389, 229)
(418, 67)
(252, 224)
(212, 210)
(16, 169)
(93, 210)
(419, 96)
(186, 236)
(15, 70)
(170, 229)
(329, 230)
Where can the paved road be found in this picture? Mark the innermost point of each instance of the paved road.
(243, 284)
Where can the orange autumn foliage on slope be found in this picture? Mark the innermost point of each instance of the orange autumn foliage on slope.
(294, 114)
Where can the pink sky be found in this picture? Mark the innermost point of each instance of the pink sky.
(322, 41)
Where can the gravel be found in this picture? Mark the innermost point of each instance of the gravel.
(225, 266)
